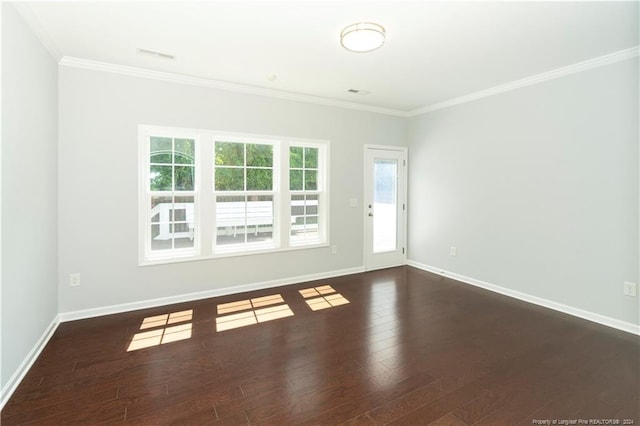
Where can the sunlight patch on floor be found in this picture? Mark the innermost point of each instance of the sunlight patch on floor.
(242, 305)
(147, 339)
(164, 319)
(159, 336)
(322, 297)
(256, 310)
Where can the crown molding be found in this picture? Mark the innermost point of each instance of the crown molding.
(534, 79)
(32, 20)
(280, 94)
(222, 85)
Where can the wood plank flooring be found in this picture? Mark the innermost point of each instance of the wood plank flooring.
(399, 346)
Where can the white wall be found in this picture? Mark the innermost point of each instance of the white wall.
(537, 188)
(29, 191)
(99, 115)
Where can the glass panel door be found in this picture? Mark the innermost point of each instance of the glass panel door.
(385, 206)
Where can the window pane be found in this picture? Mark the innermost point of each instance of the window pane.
(229, 154)
(385, 206)
(184, 178)
(184, 225)
(297, 208)
(260, 219)
(158, 241)
(185, 202)
(160, 178)
(295, 180)
(161, 158)
(230, 220)
(311, 158)
(311, 204)
(311, 208)
(184, 151)
(310, 180)
(172, 223)
(161, 209)
(155, 231)
(311, 228)
(295, 157)
(241, 220)
(161, 150)
(180, 215)
(259, 179)
(304, 218)
(181, 227)
(161, 234)
(259, 155)
(229, 179)
(183, 235)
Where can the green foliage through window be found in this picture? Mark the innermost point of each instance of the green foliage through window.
(172, 164)
(303, 169)
(229, 179)
(241, 166)
(229, 154)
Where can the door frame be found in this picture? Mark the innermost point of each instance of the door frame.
(402, 199)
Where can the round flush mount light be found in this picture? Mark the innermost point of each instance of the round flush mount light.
(362, 37)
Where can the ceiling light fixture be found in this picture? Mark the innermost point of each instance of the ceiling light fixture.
(362, 37)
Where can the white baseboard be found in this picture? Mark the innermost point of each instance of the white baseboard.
(152, 303)
(580, 313)
(31, 357)
(27, 363)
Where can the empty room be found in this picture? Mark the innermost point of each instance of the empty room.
(320, 212)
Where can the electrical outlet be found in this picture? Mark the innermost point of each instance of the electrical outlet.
(74, 280)
(453, 251)
(630, 289)
(334, 249)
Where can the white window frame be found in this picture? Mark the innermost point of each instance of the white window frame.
(204, 193)
(145, 194)
(275, 192)
(322, 192)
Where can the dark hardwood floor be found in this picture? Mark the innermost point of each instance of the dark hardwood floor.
(397, 346)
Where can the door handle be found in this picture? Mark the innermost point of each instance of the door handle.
(370, 214)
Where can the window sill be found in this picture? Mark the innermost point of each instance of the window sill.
(224, 255)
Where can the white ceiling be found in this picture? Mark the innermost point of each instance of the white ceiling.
(435, 51)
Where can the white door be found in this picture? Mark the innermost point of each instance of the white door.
(385, 206)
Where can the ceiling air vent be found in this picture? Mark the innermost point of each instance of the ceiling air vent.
(148, 52)
(358, 92)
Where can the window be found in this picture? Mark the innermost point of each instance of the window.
(305, 195)
(169, 196)
(244, 196)
(205, 194)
